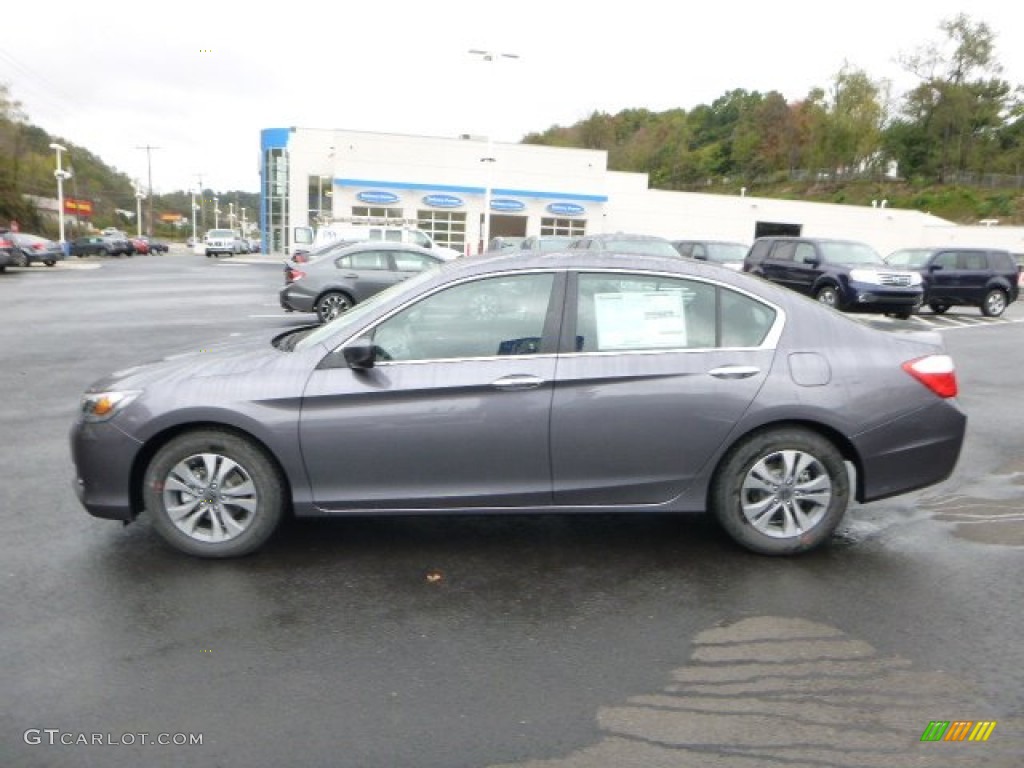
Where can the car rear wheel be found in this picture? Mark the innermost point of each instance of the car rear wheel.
(50, 262)
(937, 307)
(829, 296)
(332, 304)
(213, 493)
(994, 304)
(781, 492)
(20, 259)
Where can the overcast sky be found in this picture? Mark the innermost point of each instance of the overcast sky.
(199, 80)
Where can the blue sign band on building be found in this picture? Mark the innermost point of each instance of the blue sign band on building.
(507, 204)
(377, 197)
(443, 201)
(565, 209)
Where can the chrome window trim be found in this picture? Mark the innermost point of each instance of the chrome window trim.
(771, 339)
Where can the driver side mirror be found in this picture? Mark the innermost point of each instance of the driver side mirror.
(361, 353)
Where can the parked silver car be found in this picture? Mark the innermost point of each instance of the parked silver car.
(575, 382)
(338, 278)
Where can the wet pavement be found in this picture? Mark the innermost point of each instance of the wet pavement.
(517, 641)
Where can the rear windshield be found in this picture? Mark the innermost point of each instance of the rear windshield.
(220, 233)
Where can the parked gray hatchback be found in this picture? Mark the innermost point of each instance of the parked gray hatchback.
(566, 382)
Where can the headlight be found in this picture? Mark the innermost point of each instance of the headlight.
(869, 276)
(915, 278)
(101, 406)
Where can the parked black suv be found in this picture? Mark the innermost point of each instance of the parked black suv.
(974, 277)
(845, 274)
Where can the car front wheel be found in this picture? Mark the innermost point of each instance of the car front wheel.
(781, 492)
(20, 259)
(994, 304)
(332, 304)
(213, 493)
(938, 308)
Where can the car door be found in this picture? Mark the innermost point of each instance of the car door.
(974, 275)
(455, 411)
(944, 278)
(655, 373)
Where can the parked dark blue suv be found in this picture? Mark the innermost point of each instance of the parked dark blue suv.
(974, 277)
(844, 274)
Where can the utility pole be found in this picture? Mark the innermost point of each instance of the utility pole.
(149, 165)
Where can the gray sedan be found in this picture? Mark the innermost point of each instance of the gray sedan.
(338, 278)
(567, 382)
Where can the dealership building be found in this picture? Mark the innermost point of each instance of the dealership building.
(444, 186)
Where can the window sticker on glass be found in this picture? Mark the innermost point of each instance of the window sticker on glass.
(640, 320)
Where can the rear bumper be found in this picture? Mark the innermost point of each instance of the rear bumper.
(915, 451)
(291, 299)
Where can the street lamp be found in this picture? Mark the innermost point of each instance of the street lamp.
(139, 197)
(489, 159)
(60, 174)
(231, 215)
(194, 208)
(216, 213)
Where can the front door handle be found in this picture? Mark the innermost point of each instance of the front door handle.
(734, 372)
(517, 381)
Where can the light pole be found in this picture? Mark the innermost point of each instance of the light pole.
(216, 213)
(490, 56)
(60, 174)
(231, 215)
(194, 207)
(139, 197)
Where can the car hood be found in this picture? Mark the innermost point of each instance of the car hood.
(229, 357)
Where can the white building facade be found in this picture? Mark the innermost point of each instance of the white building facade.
(444, 186)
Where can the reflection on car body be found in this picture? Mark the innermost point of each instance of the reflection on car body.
(564, 382)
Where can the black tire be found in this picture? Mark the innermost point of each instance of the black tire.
(19, 259)
(50, 262)
(994, 303)
(212, 523)
(780, 492)
(938, 308)
(332, 304)
(829, 296)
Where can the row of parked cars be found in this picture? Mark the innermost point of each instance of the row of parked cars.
(847, 275)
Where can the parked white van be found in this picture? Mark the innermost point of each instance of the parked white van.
(306, 239)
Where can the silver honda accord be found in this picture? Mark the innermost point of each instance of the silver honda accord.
(548, 382)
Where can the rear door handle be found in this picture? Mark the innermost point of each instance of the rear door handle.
(351, 276)
(734, 372)
(517, 381)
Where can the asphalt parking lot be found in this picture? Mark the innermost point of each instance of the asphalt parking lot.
(521, 641)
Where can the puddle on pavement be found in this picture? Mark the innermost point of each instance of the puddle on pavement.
(990, 511)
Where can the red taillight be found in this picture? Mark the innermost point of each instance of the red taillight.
(300, 258)
(936, 372)
(38, 247)
(295, 274)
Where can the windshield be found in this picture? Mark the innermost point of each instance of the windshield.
(353, 317)
(850, 253)
(643, 247)
(548, 244)
(912, 257)
(220, 233)
(725, 252)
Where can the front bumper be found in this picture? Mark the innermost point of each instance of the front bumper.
(103, 456)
